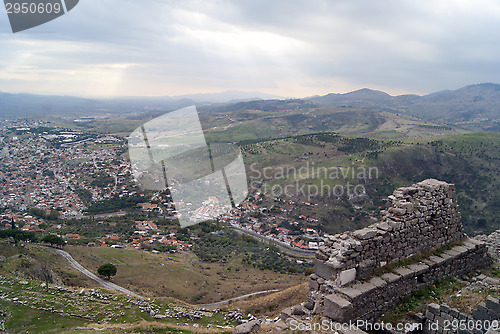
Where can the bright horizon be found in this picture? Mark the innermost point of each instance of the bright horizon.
(277, 96)
(292, 49)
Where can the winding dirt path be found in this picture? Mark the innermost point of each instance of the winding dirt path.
(224, 302)
(114, 287)
(86, 272)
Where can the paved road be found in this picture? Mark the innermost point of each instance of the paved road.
(83, 270)
(224, 302)
(296, 252)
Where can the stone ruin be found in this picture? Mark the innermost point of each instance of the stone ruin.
(418, 219)
(442, 319)
(420, 238)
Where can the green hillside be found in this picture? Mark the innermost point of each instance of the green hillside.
(250, 124)
(325, 161)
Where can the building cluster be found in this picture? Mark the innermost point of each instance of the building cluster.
(271, 226)
(147, 233)
(24, 222)
(34, 173)
(66, 177)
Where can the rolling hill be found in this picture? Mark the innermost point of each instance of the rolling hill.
(473, 107)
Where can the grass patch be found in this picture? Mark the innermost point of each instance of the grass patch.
(272, 304)
(24, 319)
(26, 305)
(418, 301)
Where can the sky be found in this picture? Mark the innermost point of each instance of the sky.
(289, 48)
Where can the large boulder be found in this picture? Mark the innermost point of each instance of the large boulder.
(298, 310)
(247, 328)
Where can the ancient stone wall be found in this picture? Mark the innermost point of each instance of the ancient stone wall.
(418, 222)
(368, 300)
(493, 241)
(418, 219)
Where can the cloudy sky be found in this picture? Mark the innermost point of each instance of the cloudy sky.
(291, 48)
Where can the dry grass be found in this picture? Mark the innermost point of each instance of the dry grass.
(35, 256)
(468, 300)
(70, 276)
(182, 276)
(271, 305)
(149, 327)
(154, 327)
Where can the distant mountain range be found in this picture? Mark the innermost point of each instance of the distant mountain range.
(474, 107)
(30, 105)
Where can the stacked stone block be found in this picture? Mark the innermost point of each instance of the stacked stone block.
(441, 319)
(369, 299)
(418, 220)
(493, 241)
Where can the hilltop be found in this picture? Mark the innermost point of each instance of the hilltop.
(473, 107)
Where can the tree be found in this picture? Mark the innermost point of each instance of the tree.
(53, 240)
(107, 270)
(45, 272)
(18, 235)
(38, 212)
